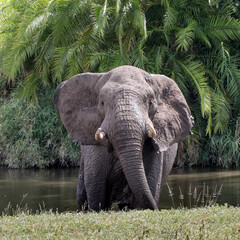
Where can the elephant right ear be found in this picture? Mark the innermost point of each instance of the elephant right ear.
(76, 102)
(173, 120)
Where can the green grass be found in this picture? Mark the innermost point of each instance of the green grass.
(218, 222)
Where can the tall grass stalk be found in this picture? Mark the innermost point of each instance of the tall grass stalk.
(11, 210)
(202, 199)
(171, 194)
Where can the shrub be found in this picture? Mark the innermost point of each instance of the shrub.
(31, 134)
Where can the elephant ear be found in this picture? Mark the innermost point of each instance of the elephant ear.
(76, 103)
(173, 120)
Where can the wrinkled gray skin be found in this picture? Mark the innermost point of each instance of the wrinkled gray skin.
(128, 123)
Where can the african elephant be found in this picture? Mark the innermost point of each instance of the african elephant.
(129, 123)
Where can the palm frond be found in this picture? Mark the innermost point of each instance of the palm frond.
(30, 87)
(36, 24)
(223, 28)
(138, 57)
(195, 72)
(170, 18)
(101, 14)
(202, 37)
(185, 36)
(12, 64)
(60, 62)
(139, 20)
(159, 53)
(118, 3)
(221, 111)
(182, 82)
(229, 74)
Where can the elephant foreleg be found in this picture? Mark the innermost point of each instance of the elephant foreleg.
(168, 160)
(96, 165)
(164, 163)
(81, 192)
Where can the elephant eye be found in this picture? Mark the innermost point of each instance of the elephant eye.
(152, 107)
(102, 102)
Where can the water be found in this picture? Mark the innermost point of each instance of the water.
(56, 189)
(229, 179)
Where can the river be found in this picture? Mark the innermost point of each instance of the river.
(56, 189)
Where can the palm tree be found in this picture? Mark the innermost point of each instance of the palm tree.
(193, 42)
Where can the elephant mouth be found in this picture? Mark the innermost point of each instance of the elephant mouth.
(153, 142)
(110, 148)
(155, 145)
(102, 137)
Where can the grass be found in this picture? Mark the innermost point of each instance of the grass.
(217, 222)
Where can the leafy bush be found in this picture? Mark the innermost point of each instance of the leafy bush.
(225, 149)
(31, 135)
(219, 150)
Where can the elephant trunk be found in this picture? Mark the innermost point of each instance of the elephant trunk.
(128, 144)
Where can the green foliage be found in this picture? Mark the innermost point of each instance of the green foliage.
(196, 43)
(223, 149)
(32, 135)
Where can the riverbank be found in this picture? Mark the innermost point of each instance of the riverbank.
(218, 222)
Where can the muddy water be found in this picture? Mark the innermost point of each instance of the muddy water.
(56, 189)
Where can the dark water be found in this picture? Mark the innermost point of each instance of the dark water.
(56, 189)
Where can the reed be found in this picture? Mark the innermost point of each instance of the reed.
(197, 197)
(11, 210)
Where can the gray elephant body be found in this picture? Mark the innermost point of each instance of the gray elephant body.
(105, 183)
(129, 123)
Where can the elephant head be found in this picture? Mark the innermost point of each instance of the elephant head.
(121, 109)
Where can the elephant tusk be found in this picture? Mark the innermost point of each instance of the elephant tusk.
(100, 135)
(192, 120)
(151, 131)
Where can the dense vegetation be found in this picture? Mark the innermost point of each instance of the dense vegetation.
(43, 42)
(205, 223)
(32, 135)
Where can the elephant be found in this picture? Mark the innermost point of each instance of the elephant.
(128, 123)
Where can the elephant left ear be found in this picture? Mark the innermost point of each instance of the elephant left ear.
(173, 120)
(76, 102)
